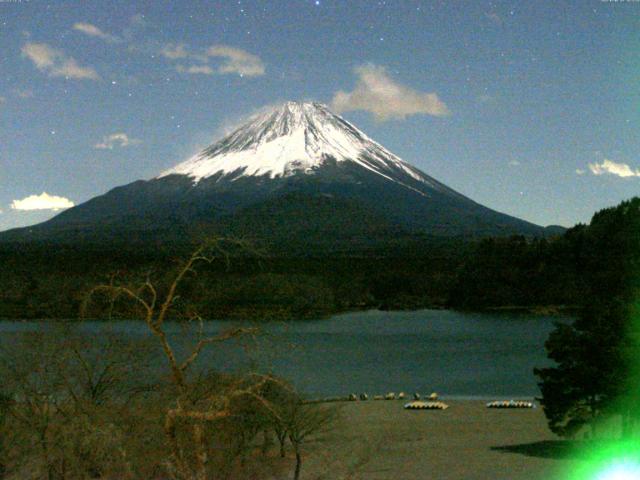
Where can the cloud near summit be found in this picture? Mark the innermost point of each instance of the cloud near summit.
(377, 93)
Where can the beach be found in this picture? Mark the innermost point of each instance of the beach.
(381, 440)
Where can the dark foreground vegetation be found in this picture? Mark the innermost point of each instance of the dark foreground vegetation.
(50, 280)
(76, 405)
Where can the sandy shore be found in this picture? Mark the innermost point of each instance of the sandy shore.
(380, 440)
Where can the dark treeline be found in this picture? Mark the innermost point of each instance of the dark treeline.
(587, 264)
(519, 272)
(50, 281)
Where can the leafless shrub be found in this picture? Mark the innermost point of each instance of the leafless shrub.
(67, 401)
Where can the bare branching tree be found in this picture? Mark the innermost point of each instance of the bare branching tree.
(194, 412)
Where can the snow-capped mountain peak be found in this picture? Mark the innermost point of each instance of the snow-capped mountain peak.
(293, 138)
(296, 175)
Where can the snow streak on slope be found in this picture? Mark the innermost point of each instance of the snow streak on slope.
(294, 138)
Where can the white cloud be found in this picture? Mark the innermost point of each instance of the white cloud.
(380, 95)
(93, 31)
(70, 69)
(195, 69)
(44, 201)
(41, 54)
(580, 171)
(237, 61)
(116, 140)
(608, 167)
(234, 60)
(55, 63)
(174, 51)
(514, 163)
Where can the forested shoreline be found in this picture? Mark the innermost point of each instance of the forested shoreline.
(40, 281)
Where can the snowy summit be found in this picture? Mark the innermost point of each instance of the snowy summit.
(297, 173)
(296, 137)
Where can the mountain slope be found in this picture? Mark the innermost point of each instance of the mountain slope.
(318, 175)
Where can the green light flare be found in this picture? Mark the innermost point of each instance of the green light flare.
(618, 459)
(623, 470)
(612, 460)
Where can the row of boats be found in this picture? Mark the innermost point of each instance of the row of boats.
(420, 405)
(431, 405)
(430, 402)
(510, 404)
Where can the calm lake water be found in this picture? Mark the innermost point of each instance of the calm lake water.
(456, 354)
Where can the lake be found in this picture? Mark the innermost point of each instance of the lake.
(456, 354)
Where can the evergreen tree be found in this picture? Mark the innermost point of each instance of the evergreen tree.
(596, 357)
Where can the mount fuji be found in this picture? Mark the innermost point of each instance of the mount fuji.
(295, 174)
